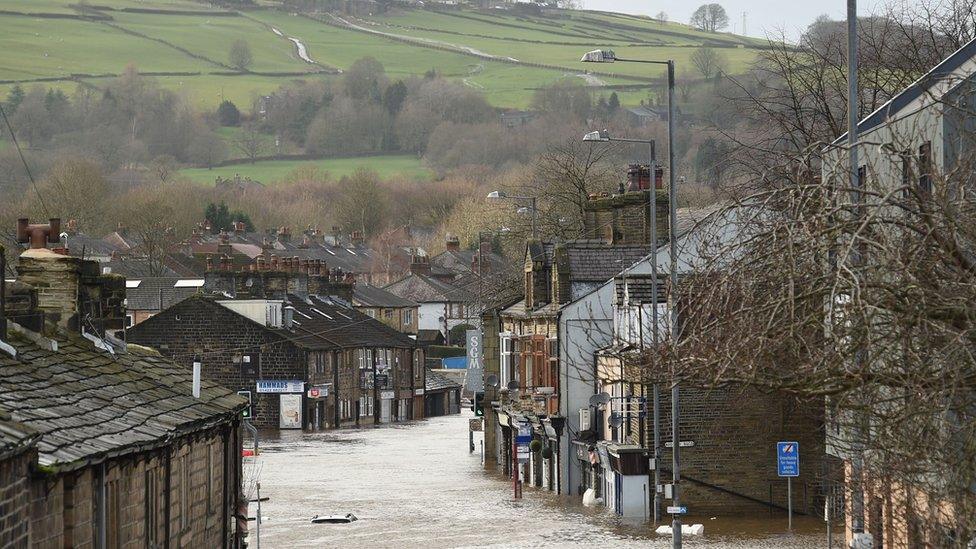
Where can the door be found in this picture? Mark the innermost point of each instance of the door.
(385, 410)
(290, 408)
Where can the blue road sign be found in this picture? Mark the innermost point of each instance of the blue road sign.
(524, 435)
(788, 459)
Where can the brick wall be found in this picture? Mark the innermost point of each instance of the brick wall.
(735, 432)
(198, 326)
(15, 498)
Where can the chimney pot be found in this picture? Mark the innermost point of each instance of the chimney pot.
(38, 235)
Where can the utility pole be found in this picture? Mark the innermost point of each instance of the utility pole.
(654, 341)
(673, 245)
(857, 495)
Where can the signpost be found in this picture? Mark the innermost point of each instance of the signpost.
(788, 465)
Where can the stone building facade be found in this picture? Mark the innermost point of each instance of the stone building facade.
(120, 452)
(292, 332)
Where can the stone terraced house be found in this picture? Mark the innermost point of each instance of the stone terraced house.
(104, 444)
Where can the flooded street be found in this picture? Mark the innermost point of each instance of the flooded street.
(416, 485)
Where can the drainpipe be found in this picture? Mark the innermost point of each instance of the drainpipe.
(336, 412)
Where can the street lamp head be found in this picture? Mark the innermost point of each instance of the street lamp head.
(599, 56)
(494, 195)
(599, 136)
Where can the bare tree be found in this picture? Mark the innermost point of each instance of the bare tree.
(250, 142)
(662, 16)
(710, 18)
(708, 61)
(240, 55)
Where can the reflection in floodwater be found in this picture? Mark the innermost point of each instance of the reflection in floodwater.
(415, 485)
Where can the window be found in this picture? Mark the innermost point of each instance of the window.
(505, 364)
(371, 313)
(388, 314)
(184, 492)
(408, 317)
(925, 167)
(906, 172)
(366, 405)
(113, 512)
(213, 501)
(153, 482)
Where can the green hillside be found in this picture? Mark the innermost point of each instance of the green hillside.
(185, 45)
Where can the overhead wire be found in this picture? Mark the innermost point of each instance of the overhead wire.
(30, 176)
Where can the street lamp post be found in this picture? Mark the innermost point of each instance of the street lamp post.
(501, 195)
(608, 56)
(604, 136)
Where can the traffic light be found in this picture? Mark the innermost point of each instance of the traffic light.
(478, 404)
(248, 411)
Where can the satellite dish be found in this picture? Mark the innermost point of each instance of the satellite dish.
(615, 420)
(598, 399)
(491, 380)
(513, 385)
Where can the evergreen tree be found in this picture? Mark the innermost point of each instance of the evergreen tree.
(14, 98)
(228, 114)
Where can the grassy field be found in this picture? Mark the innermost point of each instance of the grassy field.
(272, 171)
(35, 47)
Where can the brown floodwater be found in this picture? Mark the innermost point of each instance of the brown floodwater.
(416, 485)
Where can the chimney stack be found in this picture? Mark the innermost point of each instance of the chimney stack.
(453, 243)
(239, 227)
(420, 264)
(357, 238)
(73, 292)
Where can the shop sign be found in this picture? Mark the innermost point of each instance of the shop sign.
(280, 386)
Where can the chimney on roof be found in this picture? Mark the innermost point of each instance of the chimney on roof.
(357, 238)
(120, 228)
(284, 234)
(481, 262)
(453, 243)
(73, 292)
(39, 235)
(624, 219)
(71, 227)
(239, 227)
(420, 264)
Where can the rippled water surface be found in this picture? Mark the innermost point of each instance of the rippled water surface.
(416, 485)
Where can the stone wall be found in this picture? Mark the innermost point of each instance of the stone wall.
(735, 432)
(66, 510)
(15, 498)
(223, 340)
(69, 289)
(624, 219)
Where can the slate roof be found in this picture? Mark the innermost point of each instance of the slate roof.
(459, 261)
(638, 288)
(595, 261)
(14, 436)
(336, 253)
(155, 293)
(425, 289)
(365, 295)
(430, 337)
(437, 382)
(87, 405)
(134, 267)
(321, 324)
